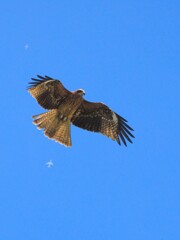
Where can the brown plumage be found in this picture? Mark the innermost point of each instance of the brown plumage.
(69, 107)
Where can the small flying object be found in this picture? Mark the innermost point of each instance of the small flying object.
(50, 164)
(67, 107)
(26, 46)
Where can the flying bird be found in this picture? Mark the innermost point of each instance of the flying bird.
(66, 107)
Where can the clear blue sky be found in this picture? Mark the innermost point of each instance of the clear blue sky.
(125, 54)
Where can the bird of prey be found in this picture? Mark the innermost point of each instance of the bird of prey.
(67, 107)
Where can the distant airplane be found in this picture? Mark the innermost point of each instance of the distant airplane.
(50, 164)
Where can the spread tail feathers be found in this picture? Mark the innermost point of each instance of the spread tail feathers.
(55, 126)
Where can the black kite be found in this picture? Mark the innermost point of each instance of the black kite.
(69, 107)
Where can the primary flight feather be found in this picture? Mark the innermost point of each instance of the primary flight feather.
(68, 107)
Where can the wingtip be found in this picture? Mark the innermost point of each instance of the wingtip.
(118, 141)
(41, 77)
(36, 81)
(44, 78)
(48, 77)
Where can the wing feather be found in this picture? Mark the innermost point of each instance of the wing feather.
(126, 136)
(48, 92)
(98, 117)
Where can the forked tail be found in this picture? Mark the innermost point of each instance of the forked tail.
(55, 126)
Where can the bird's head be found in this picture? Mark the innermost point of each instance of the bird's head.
(80, 92)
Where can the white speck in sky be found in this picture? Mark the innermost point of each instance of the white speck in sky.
(49, 164)
(26, 46)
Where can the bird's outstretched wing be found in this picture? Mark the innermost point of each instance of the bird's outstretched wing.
(97, 117)
(47, 91)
